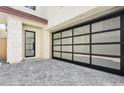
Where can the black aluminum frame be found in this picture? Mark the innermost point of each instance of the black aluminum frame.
(34, 43)
(106, 69)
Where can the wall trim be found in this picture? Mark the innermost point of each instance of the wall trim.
(22, 14)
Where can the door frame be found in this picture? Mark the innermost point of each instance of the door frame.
(34, 43)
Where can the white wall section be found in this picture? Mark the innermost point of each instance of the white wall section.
(59, 14)
(36, 12)
(14, 40)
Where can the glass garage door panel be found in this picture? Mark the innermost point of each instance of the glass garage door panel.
(106, 37)
(67, 33)
(57, 54)
(106, 24)
(81, 48)
(82, 30)
(57, 35)
(67, 56)
(67, 48)
(82, 58)
(57, 42)
(57, 48)
(106, 49)
(106, 62)
(67, 41)
(81, 39)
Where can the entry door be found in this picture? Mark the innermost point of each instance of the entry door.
(29, 43)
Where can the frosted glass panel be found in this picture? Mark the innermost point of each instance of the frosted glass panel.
(29, 40)
(106, 62)
(106, 49)
(67, 41)
(57, 48)
(81, 39)
(57, 54)
(82, 58)
(57, 35)
(29, 46)
(106, 37)
(29, 53)
(67, 33)
(29, 34)
(57, 42)
(67, 56)
(82, 30)
(67, 48)
(106, 24)
(81, 48)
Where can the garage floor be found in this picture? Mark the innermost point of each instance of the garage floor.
(54, 73)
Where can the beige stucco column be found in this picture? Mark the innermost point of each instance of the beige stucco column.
(14, 40)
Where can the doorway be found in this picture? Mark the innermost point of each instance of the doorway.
(29, 43)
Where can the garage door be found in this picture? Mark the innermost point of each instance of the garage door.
(94, 44)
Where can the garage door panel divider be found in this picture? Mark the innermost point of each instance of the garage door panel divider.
(99, 44)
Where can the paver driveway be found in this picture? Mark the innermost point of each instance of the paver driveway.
(53, 72)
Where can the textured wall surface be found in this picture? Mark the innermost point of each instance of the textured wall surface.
(14, 40)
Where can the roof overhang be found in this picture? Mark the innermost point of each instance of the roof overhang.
(22, 14)
(87, 16)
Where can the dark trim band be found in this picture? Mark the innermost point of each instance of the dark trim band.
(19, 13)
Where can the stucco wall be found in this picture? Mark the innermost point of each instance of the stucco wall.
(38, 41)
(56, 14)
(59, 14)
(14, 40)
(42, 42)
(36, 12)
(59, 17)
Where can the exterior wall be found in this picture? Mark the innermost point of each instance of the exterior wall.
(64, 17)
(36, 12)
(43, 10)
(45, 39)
(55, 15)
(59, 14)
(42, 42)
(47, 44)
(14, 40)
(88, 15)
(37, 42)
